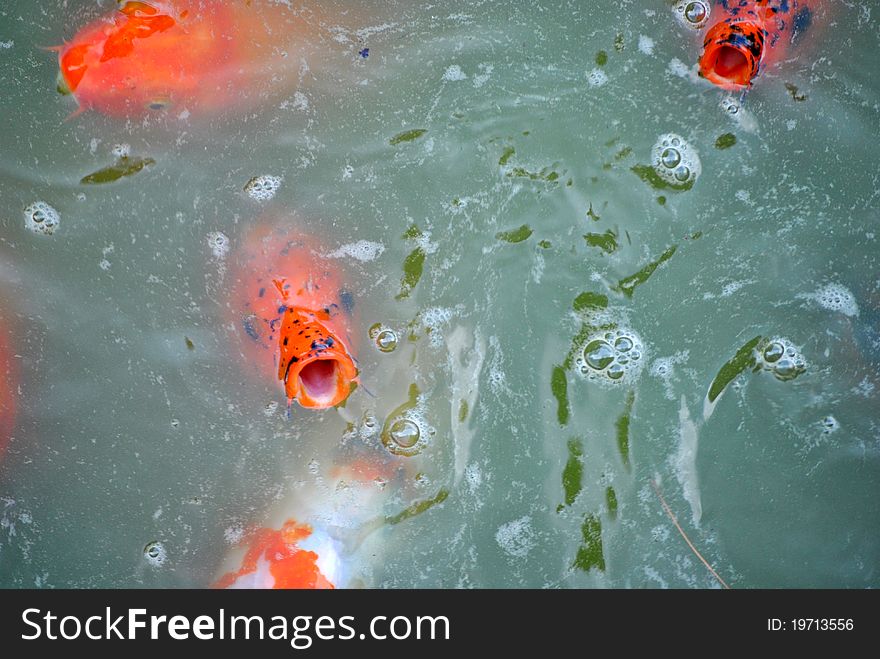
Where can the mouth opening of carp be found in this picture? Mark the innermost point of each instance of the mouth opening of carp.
(319, 379)
(730, 64)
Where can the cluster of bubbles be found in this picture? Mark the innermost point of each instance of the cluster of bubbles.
(597, 78)
(407, 433)
(829, 425)
(612, 356)
(675, 161)
(782, 358)
(121, 150)
(41, 218)
(219, 244)
(692, 13)
(155, 554)
(264, 187)
(835, 297)
(362, 250)
(384, 338)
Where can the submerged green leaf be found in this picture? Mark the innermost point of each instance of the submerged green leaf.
(407, 136)
(607, 241)
(506, 155)
(589, 554)
(652, 178)
(546, 174)
(743, 359)
(412, 272)
(572, 474)
(628, 284)
(515, 235)
(559, 387)
(611, 502)
(725, 141)
(621, 427)
(589, 300)
(793, 92)
(417, 508)
(123, 167)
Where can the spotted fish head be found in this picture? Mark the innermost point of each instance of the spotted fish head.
(315, 365)
(732, 53)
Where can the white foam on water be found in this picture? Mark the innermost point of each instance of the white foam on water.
(362, 250)
(686, 461)
(454, 73)
(516, 538)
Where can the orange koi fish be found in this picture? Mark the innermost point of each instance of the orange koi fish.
(285, 558)
(8, 377)
(198, 56)
(296, 316)
(299, 555)
(750, 35)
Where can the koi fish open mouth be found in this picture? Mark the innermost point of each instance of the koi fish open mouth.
(732, 54)
(322, 382)
(315, 365)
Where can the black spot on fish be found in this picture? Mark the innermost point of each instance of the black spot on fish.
(347, 300)
(250, 328)
(282, 309)
(329, 342)
(801, 22)
(285, 340)
(262, 291)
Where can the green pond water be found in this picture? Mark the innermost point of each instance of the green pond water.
(580, 341)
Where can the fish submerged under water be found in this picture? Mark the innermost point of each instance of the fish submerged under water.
(156, 55)
(294, 556)
(749, 35)
(295, 315)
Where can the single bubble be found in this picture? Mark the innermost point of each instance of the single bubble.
(682, 173)
(695, 12)
(773, 352)
(405, 433)
(790, 351)
(370, 422)
(598, 355)
(622, 359)
(675, 141)
(219, 244)
(386, 340)
(155, 554)
(623, 344)
(616, 371)
(635, 355)
(670, 157)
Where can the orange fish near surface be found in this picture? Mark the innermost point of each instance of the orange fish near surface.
(295, 316)
(276, 559)
(8, 377)
(188, 56)
(750, 35)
